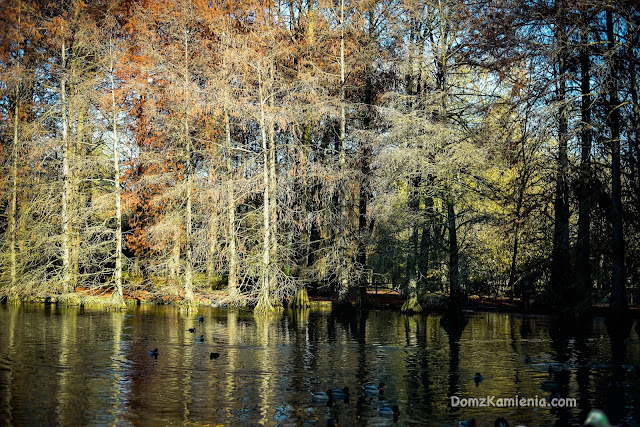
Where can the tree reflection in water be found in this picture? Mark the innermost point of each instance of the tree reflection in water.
(76, 366)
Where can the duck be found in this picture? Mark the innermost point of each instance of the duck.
(550, 385)
(389, 411)
(192, 330)
(201, 319)
(214, 356)
(500, 422)
(467, 423)
(153, 353)
(340, 393)
(200, 338)
(597, 418)
(477, 377)
(372, 390)
(527, 359)
(322, 396)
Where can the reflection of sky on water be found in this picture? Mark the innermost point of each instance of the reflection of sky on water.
(77, 367)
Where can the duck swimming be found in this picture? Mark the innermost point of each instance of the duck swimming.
(153, 353)
(214, 356)
(322, 396)
(477, 377)
(200, 338)
(192, 330)
(389, 411)
(468, 423)
(372, 390)
(340, 393)
(500, 422)
(201, 319)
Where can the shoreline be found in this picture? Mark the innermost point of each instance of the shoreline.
(381, 300)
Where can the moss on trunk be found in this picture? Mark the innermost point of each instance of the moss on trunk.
(301, 299)
(411, 305)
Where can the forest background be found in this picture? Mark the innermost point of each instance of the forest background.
(270, 147)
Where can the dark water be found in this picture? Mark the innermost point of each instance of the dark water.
(72, 366)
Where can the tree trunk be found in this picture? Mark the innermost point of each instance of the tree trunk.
(212, 252)
(273, 203)
(516, 231)
(264, 304)
(635, 115)
(188, 275)
(411, 299)
(79, 199)
(365, 192)
(560, 253)
(232, 285)
(583, 245)
(307, 191)
(301, 299)
(118, 294)
(454, 284)
(343, 263)
(13, 202)
(67, 285)
(618, 302)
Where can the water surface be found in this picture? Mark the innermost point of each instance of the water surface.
(75, 366)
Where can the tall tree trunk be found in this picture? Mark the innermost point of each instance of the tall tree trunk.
(214, 220)
(231, 216)
(119, 298)
(264, 304)
(411, 304)
(560, 253)
(12, 215)
(307, 191)
(273, 194)
(188, 276)
(583, 245)
(13, 201)
(365, 169)
(343, 262)
(212, 251)
(635, 115)
(77, 197)
(618, 303)
(454, 281)
(67, 285)
(516, 233)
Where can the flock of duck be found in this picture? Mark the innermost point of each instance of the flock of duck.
(595, 418)
(154, 353)
(368, 391)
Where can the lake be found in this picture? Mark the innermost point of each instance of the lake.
(76, 366)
